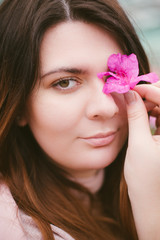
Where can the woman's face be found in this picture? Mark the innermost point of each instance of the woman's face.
(74, 122)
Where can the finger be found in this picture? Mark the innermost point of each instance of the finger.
(150, 92)
(149, 105)
(155, 112)
(139, 128)
(158, 122)
(157, 84)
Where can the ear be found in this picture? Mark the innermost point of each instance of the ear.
(21, 121)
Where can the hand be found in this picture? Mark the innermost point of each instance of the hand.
(140, 137)
(147, 91)
(142, 163)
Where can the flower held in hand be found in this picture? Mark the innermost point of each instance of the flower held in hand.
(123, 74)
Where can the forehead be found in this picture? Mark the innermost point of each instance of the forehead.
(75, 43)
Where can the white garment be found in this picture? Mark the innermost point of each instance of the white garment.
(16, 225)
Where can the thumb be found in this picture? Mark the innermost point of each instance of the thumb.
(139, 129)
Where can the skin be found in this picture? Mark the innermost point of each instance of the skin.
(61, 120)
(142, 163)
(62, 115)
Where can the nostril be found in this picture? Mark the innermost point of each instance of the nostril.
(95, 116)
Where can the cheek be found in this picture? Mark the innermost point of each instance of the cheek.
(49, 111)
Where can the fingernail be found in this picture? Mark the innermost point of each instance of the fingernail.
(130, 97)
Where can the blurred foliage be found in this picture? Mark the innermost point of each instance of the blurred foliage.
(145, 16)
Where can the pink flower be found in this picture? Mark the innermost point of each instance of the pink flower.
(123, 74)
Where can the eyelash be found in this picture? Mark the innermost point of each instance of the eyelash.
(66, 89)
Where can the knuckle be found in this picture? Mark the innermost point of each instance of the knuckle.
(135, 115)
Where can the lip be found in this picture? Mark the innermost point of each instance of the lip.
(101, 139)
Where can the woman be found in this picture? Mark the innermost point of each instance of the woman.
(59, 131)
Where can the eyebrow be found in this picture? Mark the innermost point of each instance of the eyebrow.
(65, 70)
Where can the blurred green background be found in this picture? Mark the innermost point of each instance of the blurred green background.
(145, 15)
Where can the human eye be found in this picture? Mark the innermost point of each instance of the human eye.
(66, 84)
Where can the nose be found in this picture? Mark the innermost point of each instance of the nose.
(100, 105)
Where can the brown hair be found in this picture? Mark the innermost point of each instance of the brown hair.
(39, 186)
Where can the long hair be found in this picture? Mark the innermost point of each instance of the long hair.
(39, 186)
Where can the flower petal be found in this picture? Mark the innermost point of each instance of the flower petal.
(150, 77)
(124, 65)
(102, 74)
(115, 86)
(123, 74)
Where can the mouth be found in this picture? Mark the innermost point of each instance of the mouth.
(101, 139)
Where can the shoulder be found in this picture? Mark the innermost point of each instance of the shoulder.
(60, 234)
(10, 227)
(16, 225)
